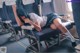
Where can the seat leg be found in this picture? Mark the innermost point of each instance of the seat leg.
(59, 39)
(32, 45)
(46, 44)
(39, 48)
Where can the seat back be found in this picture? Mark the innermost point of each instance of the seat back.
(47, 6)
(3, 13)
(9, 13)
(29, 6)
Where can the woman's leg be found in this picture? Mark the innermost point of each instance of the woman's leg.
(52, 26)
(57, 22)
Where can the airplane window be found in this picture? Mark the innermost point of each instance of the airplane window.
(69, 5)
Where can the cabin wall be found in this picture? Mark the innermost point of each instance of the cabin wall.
(61, 7)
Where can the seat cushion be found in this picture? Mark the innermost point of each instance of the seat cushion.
(48, 32)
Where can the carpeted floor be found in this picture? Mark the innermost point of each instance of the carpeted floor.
(21, 45)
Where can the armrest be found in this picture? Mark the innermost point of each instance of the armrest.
(0, 18)
(27, 27)
(66, 23)
(8, 21)
(72, 22)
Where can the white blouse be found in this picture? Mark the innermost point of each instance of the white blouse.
(35, 18)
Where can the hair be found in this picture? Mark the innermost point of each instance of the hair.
(20, 10)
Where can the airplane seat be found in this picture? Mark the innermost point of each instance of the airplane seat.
(0, 14)
(4, 20)
(29, 8)
(13, 27)
(4, 17)
(12, 18)
(3, 13)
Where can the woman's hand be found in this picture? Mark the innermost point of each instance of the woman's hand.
(36, 24)
(37, 27)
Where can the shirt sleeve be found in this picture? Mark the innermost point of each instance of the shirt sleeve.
(35, 18)
(10, 2)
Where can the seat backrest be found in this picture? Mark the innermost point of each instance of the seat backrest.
(10, 14)
(29, 6)
(3, 13)
(47, 6)
(1, 6)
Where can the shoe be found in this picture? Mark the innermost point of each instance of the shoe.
(74, 44)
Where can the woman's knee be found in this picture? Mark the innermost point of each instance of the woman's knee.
(52, 26)
(58, 23)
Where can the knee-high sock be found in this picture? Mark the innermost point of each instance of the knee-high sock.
(70, 36)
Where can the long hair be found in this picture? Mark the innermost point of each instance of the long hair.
(20, 9)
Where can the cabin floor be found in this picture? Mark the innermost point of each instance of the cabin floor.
(21, 45)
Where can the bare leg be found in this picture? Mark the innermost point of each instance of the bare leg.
(59, 25)
(52, 26)
(57, 22)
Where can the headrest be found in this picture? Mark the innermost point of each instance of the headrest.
(10, 2)
(46, 1)
(26, 2)
(1, 4)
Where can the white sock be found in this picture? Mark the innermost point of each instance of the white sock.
(70, 36)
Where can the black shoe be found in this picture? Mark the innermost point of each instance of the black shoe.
(74, 44)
